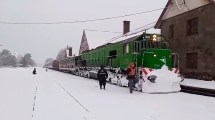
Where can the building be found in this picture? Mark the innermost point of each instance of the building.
(189, 27)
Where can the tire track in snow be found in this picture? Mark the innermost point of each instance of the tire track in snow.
(71, 96)
(35, 97)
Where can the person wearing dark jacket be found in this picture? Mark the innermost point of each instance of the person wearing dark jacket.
(34, 71)
(102, 76)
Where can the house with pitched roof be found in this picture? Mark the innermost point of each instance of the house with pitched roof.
(189, 27)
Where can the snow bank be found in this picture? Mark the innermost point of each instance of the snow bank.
(166, 81)
(199, 83)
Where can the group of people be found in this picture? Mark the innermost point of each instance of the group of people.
(131, 75)
(103, 75)
(35, 71)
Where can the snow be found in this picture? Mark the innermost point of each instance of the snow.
(62, 96)
(126, 36)
(199, 83)
(17, 93)
(166, 81)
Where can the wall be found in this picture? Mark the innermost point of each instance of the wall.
(203, 42)
(173, 9)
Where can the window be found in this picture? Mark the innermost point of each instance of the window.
(136, 47)
(171, 31)
(157, 44)
(126, 49)
(143, 44)
(113, 54)
(192, 60)
(192, 26)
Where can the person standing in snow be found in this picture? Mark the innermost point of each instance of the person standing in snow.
(34, 71)
(131, 76)
(102, 76)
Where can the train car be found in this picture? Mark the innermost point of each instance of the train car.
(150, 53)
(55, 65)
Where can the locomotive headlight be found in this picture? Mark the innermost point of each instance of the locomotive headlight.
(154, 37)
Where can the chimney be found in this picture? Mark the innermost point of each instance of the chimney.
(70, 51)
(126, 27)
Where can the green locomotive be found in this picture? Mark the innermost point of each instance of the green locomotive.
(146, 50)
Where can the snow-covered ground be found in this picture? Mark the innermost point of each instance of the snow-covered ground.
(61, 96)
(17, 93)
(199, 83)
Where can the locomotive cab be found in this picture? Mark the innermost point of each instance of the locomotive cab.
(152, 51)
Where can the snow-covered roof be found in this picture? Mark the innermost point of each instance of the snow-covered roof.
(127, 38)
(177, 7)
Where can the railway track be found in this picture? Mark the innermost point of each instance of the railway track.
(198, 91)
(193, 90)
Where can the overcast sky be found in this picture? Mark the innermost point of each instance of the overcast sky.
(45, 41)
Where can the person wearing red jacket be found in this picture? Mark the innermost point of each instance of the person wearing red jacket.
(131, 76)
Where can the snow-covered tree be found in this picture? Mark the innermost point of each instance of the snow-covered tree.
(27, 61)
(7, 59)
(48, 62)
(19, 58)
(62, 54)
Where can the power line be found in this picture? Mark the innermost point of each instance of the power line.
(133, 31)
(102, 31)
(118, 32)
(145, 25)
(82, 21)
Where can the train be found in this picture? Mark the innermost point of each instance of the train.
(149, 52)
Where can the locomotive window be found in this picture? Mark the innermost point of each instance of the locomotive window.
(147, 42)
(147, 37)
(143, 45)
(136, 47)
(113, 54)
(157, 44)
(126, 48)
